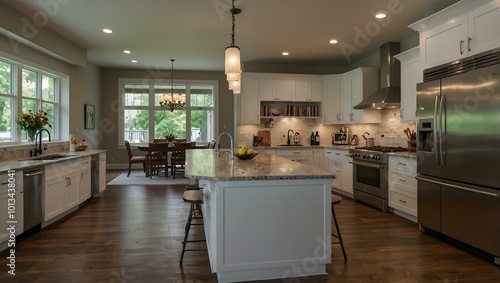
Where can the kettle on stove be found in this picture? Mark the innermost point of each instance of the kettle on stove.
(353, 140)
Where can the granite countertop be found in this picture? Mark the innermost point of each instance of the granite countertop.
(26, 163)
(203, 164)
(332, 146)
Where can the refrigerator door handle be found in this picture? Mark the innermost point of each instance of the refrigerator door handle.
(497, 195)
(436, 130)
(442, 128)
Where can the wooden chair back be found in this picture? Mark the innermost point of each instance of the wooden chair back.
(179, 140)
(129, 150)
(210, 144)
(159, 141)
(157, 157)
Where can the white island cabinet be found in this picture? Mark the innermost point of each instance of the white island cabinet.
(265, 218)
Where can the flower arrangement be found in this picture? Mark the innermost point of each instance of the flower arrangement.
(170, 137)
(33, 122)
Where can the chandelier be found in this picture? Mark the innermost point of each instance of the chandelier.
(232, 59)
(173, 100)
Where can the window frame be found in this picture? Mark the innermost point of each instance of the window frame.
(152, 107)
(17, 67)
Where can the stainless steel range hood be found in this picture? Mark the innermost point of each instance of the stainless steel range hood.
(389, 94)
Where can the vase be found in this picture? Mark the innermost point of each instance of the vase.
(31, 133)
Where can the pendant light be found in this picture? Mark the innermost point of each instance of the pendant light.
(172, 101)
(232, 58)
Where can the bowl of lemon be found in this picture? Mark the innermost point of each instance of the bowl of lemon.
(245, 153)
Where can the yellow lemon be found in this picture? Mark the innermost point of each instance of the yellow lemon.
(250, 151)
(237, 151)
(245, 147)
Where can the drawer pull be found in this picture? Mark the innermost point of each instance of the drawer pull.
(402, 180)
(404, 164)
(403, 201)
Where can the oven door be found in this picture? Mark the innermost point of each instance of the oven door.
(370, 178)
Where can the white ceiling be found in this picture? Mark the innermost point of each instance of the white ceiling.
(196, 32)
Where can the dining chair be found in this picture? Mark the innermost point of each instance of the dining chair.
(178, 159)
(210, 144)
(159, 141)
(179, 140)
(157, 158)
(134, 159)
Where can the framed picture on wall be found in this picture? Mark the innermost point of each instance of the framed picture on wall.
(89, 116)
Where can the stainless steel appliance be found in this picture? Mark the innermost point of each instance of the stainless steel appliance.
(458, 129)
(33, 186)
(340, 138)
(370, 182)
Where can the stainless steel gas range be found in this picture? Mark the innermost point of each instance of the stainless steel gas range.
(370, 181)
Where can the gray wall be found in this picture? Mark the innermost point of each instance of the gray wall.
(117, 155)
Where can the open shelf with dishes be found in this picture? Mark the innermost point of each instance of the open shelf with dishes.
(290, 110)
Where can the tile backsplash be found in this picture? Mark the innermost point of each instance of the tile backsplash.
(388, 133)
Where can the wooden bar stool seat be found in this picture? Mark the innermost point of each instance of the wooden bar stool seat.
(336, 200)
(195, 199)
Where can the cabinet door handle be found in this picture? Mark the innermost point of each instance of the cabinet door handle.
(402, 180)
(468, 43)
(401, 112)
(350, 117)
(461, 49)
(81, 176)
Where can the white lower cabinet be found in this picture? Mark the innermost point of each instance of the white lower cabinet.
(102, 172)
(403, 185)
(302, 155)
(85, 182)
(63, 183)
(338, 162)
(11, 203)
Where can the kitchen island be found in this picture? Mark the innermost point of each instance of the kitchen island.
(264, 218)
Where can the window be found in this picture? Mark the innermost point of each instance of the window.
(36, 90)
(144, 119)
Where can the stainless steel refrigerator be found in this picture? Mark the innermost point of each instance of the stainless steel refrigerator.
(458, 152)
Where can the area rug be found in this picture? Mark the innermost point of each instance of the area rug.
(138, 178)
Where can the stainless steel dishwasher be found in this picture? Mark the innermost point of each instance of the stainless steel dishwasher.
(33, 185)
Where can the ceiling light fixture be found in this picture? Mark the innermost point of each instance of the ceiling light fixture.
(172, 101)
(107, 30)
(380, 16)
(126, 51)
(333, 41)
(285, 53)
(133, 61)
(232, 59)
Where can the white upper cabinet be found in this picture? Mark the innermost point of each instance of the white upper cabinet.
(356, 85)
(411, 74)
(332, 99)
(249, 101)
(307, 90)
(461, 30)
(276, 90)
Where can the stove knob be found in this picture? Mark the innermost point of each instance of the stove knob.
(368, 156)
(377, 157)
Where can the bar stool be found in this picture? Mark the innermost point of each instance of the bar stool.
(195, 198)
(336, 200)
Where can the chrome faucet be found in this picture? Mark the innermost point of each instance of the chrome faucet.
(38, 144)
(288, 138)
(218, 145)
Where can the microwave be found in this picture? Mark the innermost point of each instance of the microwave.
(340, 138)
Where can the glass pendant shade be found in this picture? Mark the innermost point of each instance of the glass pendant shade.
(232, 60)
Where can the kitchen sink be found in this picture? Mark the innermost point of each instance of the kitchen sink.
(51, 157)
(289, 145)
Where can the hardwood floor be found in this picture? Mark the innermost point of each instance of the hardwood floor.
(134, 234)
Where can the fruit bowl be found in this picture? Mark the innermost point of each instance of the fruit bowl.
(246, 156)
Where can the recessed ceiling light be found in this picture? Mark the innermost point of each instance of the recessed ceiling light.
(126, 51)
(133, 61)
(107, 30)
(333, 41)
(285, 53)
(380, 16)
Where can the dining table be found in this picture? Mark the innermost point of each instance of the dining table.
(168, 148)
